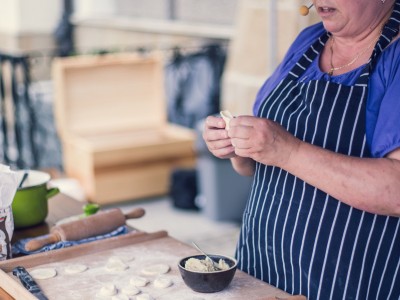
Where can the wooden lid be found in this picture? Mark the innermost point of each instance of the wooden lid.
(109, 93)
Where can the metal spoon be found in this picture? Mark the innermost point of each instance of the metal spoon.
(215, 265)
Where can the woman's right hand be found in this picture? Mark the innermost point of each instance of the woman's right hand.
(220, 145)
(217, 139)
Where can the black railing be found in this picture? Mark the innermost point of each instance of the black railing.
(18, 121)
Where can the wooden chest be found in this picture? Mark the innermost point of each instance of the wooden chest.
(111, 117)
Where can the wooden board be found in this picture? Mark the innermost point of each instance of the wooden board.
(139, 250)
(4, 295)
(108, 93)
(106, 184)
(135, 146)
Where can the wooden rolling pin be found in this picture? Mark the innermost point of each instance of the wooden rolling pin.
(100, 223)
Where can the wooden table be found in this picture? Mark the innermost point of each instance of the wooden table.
(145, 249)
(62, 206)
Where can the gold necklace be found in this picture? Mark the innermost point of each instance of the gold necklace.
(333, 69)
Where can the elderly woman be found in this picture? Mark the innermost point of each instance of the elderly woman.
(322, 219)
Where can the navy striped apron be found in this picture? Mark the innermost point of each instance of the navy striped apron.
(299, 238)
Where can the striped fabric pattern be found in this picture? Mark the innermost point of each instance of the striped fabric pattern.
(297, 237)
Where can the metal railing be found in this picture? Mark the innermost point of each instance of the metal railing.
(17, 118)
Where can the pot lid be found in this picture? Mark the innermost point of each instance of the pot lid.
(34, 178)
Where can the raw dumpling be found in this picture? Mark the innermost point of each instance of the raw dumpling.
(120, 297)
(130, 290)
(156, 269)
(227, 116)
(162, 282)
(144, 297)
(75, 268)
(107, 289)
(139, 281)
(116, 264)
(43, 273)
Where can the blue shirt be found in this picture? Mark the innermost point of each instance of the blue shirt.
(383, 103)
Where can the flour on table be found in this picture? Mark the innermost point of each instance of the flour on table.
(128, 258)
(157, 269)
(75, 268)
(43, 273)
(162, 282)
(144, 297)
(139, 281)
(130, 290)
(116, 264)
(107, 289)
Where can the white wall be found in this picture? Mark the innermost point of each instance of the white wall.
(9, 15)
(29, 16)
(90, 8)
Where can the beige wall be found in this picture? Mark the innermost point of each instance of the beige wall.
(254, 53)
(26, 27)
(22, 17)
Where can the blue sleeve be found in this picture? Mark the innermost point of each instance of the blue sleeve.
(383, 109)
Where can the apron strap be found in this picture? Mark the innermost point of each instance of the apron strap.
(308, 57)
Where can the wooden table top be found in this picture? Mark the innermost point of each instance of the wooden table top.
(147, 249)
(62, 206)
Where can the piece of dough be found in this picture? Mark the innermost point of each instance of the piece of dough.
(139, 281)
(222, 264)
(75, 268)
(43, 273)
(162, 282)
(120, 297)
(144, 297)
(116, 264)
(107, 289)
(199, 265)
(227, 116)
(130, 290)
(157, 269)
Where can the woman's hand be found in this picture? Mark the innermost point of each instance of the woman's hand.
(220, 145)
(217, 139)
(262, 140)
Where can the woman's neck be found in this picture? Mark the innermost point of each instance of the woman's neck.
(343, 53)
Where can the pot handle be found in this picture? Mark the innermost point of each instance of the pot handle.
(52, 192)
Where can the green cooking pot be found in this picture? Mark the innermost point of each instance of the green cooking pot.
(30, 205)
